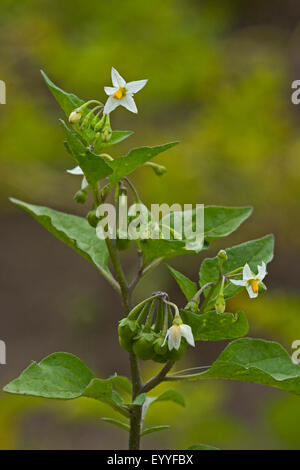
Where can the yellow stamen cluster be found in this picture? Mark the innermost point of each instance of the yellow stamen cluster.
(254, 285)
(119, 93)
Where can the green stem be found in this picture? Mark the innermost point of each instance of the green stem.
(115, 260)
(136, 410)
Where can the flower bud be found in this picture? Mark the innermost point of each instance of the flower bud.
(159, 170)
(75, 116)
(106, 135)
(80, 196)
(222, 255)
(220, 303)
(99, 125)
(92, 218)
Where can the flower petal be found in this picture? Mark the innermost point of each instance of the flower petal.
(238, 282)
(174, 337)
(84, 183)
(247, 273)
(128, 103)
(110, 90)
(252, 294)
(186, 332)
(76, 171)
(134, 87)
(262, 271)
(166, 337)
(116, 78)
(110, 105)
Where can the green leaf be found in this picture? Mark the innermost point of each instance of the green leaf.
(118, 423)
(125, 165)
(60, 375)
(140, 399)
(93, 166)
(116, 138)
(102, 389)
(67, 101)
(202, 447)
(219, 222)
(258, 361)
(64, 376)
(188, 287)
(252, 252)
(170, 395)
(122, 383)
(216, 327)
(73, 231)
(155, 429)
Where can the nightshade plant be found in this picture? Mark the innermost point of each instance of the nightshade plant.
(155, 329)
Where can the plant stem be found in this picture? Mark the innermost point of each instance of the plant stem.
(136, 411)
(158, 378)
(115, 260)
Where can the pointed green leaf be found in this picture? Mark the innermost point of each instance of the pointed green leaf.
(155, 429)
(102, 390)
(93, 166)
(258, 361)
(60, 375)
(170, 395)
(72, 230)
(67, 101)
(252, 252)
(125, 165)
(216, 327)
(65, 376)
(122, 383)
(188, 287)
(202, 447)
(118, 423)
(219, 222)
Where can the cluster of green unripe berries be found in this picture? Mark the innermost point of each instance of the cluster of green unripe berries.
(144, 330)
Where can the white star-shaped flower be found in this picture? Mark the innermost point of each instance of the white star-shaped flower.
(174, 334)
(78, 171)
(121, 93)
(251, 281)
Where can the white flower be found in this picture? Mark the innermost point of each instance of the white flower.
(78, 171)
(251, 281)
(121, 93)
(175, 333)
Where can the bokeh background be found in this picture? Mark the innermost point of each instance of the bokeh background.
(220, 75)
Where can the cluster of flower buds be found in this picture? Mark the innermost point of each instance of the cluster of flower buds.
(147, 333)
(87, 118)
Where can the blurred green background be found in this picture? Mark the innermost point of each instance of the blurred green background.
(220, 75)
